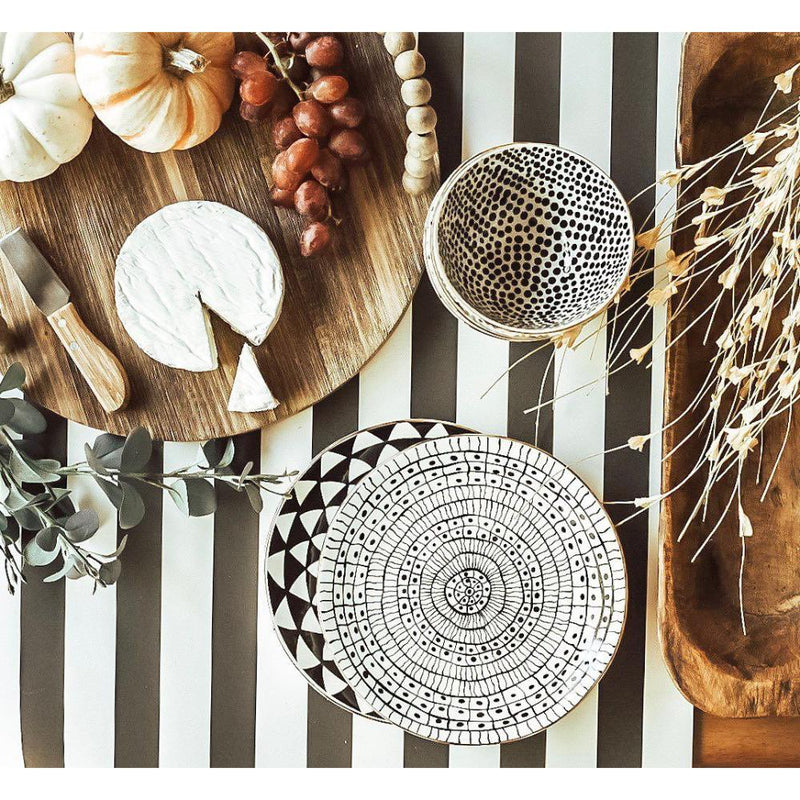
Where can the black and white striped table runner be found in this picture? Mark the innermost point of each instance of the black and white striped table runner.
(178, 665)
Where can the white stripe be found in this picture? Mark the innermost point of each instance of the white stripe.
(668, 719)
(281, 691)
(187, 580)
(10, 720)
(579, 419)
(10, 724)
(488, 120)
(90, 631)
(384, 395)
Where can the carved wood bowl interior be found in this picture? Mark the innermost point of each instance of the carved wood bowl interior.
(726, 81)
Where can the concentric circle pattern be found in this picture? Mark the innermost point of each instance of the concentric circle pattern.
(471, 590)
(299, 530)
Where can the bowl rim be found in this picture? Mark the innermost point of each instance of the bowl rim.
(456, 303)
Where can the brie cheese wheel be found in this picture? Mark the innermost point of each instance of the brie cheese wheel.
(250, 391)
(185, 259)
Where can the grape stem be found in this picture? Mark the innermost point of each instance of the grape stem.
(280, 65)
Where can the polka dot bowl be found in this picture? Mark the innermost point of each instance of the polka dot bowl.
(525, 240)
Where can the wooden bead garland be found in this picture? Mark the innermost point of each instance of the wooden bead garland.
(421, 144)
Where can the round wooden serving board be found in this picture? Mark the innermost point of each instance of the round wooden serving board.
(337, 310)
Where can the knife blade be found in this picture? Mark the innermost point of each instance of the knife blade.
(99, 366)
(40, 281)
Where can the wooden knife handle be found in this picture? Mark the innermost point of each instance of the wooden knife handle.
(98, 365)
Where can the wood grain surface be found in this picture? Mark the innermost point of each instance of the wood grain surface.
(337, 311)
(726, 80)
(760, 742)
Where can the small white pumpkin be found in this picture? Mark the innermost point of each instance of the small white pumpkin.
(157, 91)
(44, 120)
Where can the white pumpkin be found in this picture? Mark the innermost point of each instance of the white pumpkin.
(44, 120)
(157, 91)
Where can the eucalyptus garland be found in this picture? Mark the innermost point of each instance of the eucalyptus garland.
(58, 533)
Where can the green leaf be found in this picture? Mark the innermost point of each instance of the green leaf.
(136, 451)
(47, 538)
(77, 570)
(112, 491)
(219, 452)
(28, 519)
(17, 499)
(254, 496)
(131, 511)
(197, 497)
(13, 379)
(6, 411)
(248, 468)
(82, 525)
(108, 448)
(31, 470)
(93, 461)
(70, 564)
(26, 419)
(37, 556)
(110, 572)
(122, 542)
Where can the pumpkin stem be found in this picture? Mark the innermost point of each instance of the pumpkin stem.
(6, 87)
(184, 60)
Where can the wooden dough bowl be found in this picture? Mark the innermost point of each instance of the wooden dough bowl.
(726, 80)
(337, 311)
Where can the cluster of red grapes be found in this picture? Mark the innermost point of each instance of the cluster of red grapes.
(301, 82)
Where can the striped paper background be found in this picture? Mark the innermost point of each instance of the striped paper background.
(177, 665)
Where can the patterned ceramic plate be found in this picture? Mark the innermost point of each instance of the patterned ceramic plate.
(472, 590)
(299, 530)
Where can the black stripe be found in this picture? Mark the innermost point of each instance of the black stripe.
(633, 166)
(234, 626)
(138, 654)
(42, 638)
(434, 332)
(537, 96)
(330, 728)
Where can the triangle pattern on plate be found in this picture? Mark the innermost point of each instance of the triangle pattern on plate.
(299, 534)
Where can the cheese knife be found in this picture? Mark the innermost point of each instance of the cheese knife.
(98, 365)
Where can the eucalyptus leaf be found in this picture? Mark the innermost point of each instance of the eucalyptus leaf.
(47, 538)
(122, 542)
(82, 525)
(29, 470)
(26, 419)
(28, 519)
(6, 410)
(110, 572)
(198, 496)
(219, 452)
(3, 523)
(113, 492)
(14, 378)
(248, 468)
(36, 556)
(108, 448)
(93, 461)
(70, 563)
(131, 511)
(136, 451)
(254, 496)
(77, 571)
(17, 499)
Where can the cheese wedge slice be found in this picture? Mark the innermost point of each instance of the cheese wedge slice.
(185, 259)
(250, 392)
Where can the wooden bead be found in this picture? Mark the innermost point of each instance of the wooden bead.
(410, 64)
(397, 43)
(414, 185)
(416, 92)
(421, 119)
(418, 167)
(423, 146)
